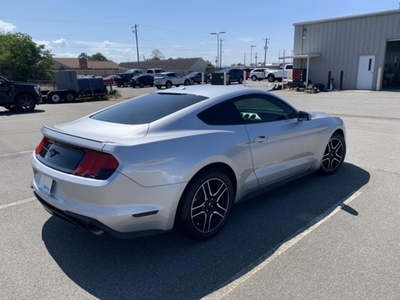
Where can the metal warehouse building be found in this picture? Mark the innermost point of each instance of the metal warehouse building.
(357, 52)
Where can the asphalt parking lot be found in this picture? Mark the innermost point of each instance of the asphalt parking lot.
(317, 238)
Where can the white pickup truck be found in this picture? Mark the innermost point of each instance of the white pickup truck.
(283, 73)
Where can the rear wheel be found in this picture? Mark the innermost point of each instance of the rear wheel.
(141, 84)
(187, 82)
(271, 77)
(125, 84)
(25, 103)
(168, 84)
(70, 97)
(159, 87)
(334, 154)
(240, 81)
(206, 205)
(254, 77)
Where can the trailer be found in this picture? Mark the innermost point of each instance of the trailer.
(70, 86)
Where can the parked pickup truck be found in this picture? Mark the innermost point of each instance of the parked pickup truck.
(19, 96)
(283, 73)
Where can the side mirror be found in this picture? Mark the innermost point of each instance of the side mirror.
(303, 116)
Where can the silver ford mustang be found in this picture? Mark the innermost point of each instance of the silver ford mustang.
(179, 158)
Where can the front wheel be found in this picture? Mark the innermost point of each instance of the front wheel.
(334, 154)
(240, 81)
(206, 205)
(25, 103)
(187, 82)
(254, 77)
(168, 84)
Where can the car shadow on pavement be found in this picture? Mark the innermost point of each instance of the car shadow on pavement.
(10, 113)
(170, 266)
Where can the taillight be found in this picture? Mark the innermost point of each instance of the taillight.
(96, 165)
(41, 145)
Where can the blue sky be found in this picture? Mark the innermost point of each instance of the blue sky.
(177, 28)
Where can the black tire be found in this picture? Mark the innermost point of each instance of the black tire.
(205, 205)
(70, 97)
(118, 85)
(141, 84)
(187, 82)
(25, 103)
(271, 77)
(240, 81)
(125, 84)
(168, 84)
(254, 78)
(54, 97)
(159, 87)
(334, 155)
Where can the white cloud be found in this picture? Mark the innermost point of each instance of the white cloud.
(245, 39)
(60, 43)
(47, 44)
(6, 27)
(66, 54)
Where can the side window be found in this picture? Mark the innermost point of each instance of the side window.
(289, 67)
(221, 114)
(261, 108)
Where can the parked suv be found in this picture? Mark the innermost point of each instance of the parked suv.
(196, 77)
(122, 79)
(19, 96)
(168, 79)
(233, 75)
(257, 74)
(142, 80)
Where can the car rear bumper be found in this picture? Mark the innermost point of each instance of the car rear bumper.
(92, 225)
(117, 205)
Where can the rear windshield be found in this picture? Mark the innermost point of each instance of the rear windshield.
(147, 108)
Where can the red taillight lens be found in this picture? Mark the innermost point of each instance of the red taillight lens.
(96, 165)
(41, 145)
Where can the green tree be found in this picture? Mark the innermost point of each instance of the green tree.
(98, 57)
(83, 55)
(209, 64)
(21, 58)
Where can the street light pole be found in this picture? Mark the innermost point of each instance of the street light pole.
(218, 52)
(251, 52)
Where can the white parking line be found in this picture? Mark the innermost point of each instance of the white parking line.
(264, 260)
(17, 203)
(15, 153)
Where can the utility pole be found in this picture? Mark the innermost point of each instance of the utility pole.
(265, 51)
(135, 31)
(256, 59)
(244, 59)
(220, 52)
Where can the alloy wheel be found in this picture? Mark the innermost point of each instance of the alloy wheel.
(210, 205)
(333, 155)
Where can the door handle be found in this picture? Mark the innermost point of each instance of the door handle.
(261, 138)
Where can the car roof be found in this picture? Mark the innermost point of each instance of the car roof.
(211, 91)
